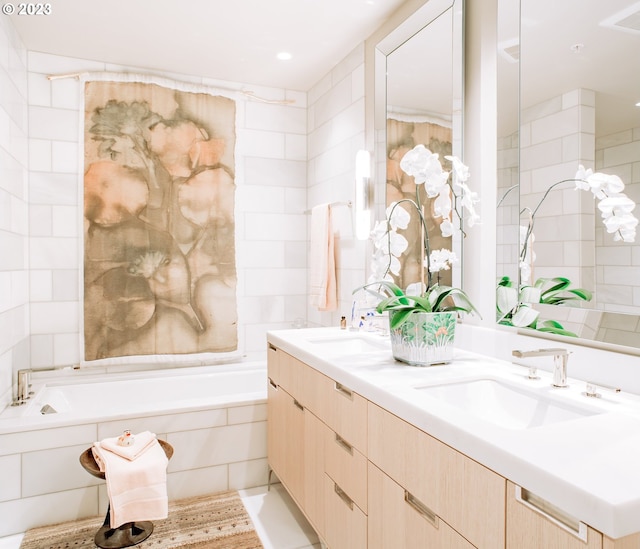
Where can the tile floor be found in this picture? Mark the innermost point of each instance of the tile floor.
(278, 521)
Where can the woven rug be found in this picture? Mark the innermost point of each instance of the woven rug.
(219, 521)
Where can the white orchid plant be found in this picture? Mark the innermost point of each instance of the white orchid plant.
(451, 192)
(514, 302)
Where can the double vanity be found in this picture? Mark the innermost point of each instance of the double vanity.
(477, 453)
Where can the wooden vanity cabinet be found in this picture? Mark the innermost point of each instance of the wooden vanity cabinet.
(315, 428)
(532, 524)
(467, 496)
(365, 478)
(398, 520)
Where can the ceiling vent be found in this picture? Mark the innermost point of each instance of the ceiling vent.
(627, 20)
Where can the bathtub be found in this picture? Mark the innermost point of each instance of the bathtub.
(82, 398)
(215, 418)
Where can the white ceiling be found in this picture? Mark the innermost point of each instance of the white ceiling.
(233, 40)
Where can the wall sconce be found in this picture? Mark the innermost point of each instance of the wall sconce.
(363, 195)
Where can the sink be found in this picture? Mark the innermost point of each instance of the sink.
(504, 404)
(348, 344)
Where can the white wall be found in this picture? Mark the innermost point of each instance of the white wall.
(336, 132)
(14, 265)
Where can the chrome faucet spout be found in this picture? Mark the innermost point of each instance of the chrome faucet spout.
(560, 361)
(23, 391)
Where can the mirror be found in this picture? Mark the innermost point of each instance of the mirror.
(579, 83)
(418, 97)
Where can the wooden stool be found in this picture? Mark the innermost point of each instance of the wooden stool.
(127, 534)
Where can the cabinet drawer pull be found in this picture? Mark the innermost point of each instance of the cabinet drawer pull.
(272, 347)
(273, 384)
(297, 404)
(344, 444)
(553, 513)
(421, 508)
(343, 390)
(343, 496)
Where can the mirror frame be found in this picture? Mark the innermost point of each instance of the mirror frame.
(409, 19)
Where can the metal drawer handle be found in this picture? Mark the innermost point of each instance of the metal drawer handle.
(421, 508)
(298, 405)
(344, 444)
(344, 497)
(273, 384)
(553, 513)
(272, 347)
(343, 390)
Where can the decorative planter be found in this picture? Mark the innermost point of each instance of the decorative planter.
(425, 339)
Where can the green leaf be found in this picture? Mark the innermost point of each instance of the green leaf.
(397, 318)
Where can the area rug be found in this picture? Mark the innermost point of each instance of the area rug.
(219, 521)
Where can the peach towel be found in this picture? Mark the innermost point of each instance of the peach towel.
(141, 442)
(322, 276)
(137, 488)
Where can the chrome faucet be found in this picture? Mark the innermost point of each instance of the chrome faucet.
(560, 360)
(24, 387)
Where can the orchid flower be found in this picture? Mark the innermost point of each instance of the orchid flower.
(441, 260)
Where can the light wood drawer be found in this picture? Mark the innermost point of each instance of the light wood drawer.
(346, 524)
(288, 372)
(466, 495)
(533, 523)
(339, 407)
(347, 466)
(396, 519)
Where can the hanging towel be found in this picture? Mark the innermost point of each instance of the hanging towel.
(137, 488)
(323, 294)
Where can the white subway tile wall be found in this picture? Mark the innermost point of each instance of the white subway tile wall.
(14, 217)
(215, 449)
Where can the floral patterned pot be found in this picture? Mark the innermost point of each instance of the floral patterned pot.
(425, 339)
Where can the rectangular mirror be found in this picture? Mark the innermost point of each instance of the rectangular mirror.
(577, 102)
(417, 77)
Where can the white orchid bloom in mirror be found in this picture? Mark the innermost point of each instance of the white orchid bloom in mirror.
(615, 206)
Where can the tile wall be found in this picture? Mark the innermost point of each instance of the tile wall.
(336, 123)
(14, 197)
(556, 137)
(618, 271)
(41, 481)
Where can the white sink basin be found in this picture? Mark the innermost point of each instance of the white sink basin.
(349, 344)
(503, 404)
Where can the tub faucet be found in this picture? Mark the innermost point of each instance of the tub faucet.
(24, 386)
(560, 360)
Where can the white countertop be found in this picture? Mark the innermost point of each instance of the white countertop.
(587, 466)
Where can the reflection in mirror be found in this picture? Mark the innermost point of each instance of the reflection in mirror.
(419, 111)
(579, 86)
(422, 106)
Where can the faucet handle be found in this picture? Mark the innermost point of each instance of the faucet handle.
(591, 389)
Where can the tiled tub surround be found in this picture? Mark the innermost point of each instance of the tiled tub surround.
(219, 441)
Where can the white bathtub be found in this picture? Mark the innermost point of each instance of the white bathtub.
(213, 416)
(85, 398)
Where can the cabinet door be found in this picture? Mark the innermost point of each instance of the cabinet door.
(285, 440)
(466, 495)
(533, 523)
(346, 524)
(397, 519)
(314, 500)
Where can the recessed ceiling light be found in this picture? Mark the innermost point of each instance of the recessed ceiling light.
(638, 104)
(284, 56)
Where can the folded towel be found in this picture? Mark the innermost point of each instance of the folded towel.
(137, 488)
(142, 441)
(322, 276)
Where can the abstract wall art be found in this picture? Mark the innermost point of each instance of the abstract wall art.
(159, 230)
